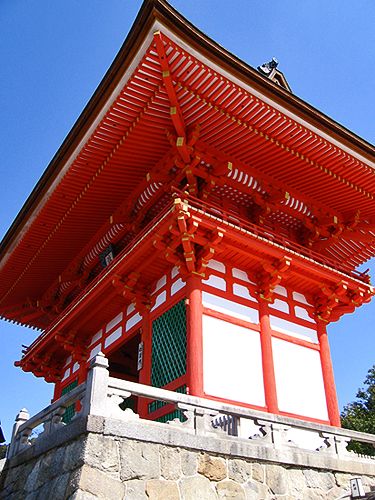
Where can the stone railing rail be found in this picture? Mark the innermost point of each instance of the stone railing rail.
(50, 417)
(102, 396)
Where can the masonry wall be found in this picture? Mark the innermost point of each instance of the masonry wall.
(102, 463)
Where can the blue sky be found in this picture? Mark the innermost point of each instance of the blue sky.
(54, 54)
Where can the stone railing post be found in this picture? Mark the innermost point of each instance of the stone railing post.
(95, 400)
(22, 417)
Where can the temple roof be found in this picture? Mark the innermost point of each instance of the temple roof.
(172, 90)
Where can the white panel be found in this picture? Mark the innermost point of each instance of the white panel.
(75, 367)
(243, 292)
(130, 309)
(218, 266)
(66, 374)
(160, 283)
(230, 308)
(299, 380)
(133, 321)
(115, 321)
(68, 360)
(176, 286)
(301, 332)
(232, 362)
(302, 313)
(96, 350)
(160, 299)
(96, 337)
(241, 275)
(175, 272)
(300, 298)
(113, 337)
(280, 290)
(280, 305)
(216, 282)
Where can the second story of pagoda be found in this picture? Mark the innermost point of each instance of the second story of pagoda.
(187, 163)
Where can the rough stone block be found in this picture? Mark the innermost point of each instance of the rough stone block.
(170, 462)
(82, 495)
(322, 480)
(135, 490)
(139, 460)
(297, 483)
(239, 470)
(315, 494)
(100, 484)
(162, 490)
(74, 455)
(230, 489)
(189, 462)
(190, 486)
(258, 472)
(73, 483)
(276, 479)
(213, 468)
(102, 453)
(59, 486)
(342, 479)
(33, 482)
(30, 496)
(51, 464)
(256, 491)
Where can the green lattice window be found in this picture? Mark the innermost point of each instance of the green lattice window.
(70, 411)
(169, 346)
(171, 416)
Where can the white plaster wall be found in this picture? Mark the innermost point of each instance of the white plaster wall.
(229, 307)
(299, 380)
(293, 329)
(232, 362)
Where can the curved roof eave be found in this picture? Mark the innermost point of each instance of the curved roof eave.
(162, 11)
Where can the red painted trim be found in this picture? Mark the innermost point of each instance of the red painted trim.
(295, 340)
(172, 386)
(267, 359)
(328, 378)
(194, 345)
(230, 319)
(292, 318)
(230, 296)
(160, 412)
(176, 383)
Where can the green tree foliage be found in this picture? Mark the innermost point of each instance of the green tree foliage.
(360, 415)
(3, 450)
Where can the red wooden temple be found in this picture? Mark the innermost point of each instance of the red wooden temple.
(200, 225)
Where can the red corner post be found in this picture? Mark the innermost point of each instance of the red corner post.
(267, 358)
(194, 344)
(145, 372)
(328, 378)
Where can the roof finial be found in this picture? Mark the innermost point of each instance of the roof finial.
(267, 67)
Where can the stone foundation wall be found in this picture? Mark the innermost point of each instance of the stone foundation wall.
(95, 465)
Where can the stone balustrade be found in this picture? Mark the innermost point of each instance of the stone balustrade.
(102, 396)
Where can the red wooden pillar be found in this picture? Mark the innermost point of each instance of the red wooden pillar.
(145, 372)
(267, 358)
(194, 344)
(56, 391)
(328, 378)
